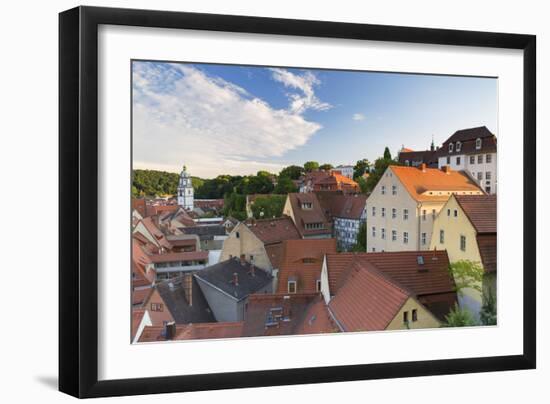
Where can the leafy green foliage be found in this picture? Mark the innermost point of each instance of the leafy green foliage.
(292, 172)
(268, 206)
(154, 183)
(387, 154)
(380, 166)
(326, 166)
(362, 184)
(235, 205)
(259, 184)
(488, 314)
(284, 186)
(310, 166)
(360, 168)
(361, 245)
(459, 317)
(467, 275)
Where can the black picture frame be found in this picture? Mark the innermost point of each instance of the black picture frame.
(78, 196)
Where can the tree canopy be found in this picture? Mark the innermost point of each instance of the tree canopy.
(269, 206)
(292, 172)
(310, 166)
(326, 166)
(360, 168)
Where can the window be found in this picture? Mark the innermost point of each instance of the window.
(237, 234)
(423, 238)
(441, 236)
(373, 249)
(451, 147)
(405, 214)
(383, 234)
(488, 158)
(479, 176)
(394, 235)
(472, 159)
(455, 213)
(488, 175)
(157, 307)
(463, 243)
(405, 237)
(458, 161)
(318, 285)
(307, 205)
(448, 160)
(478, 143)
(373, 231)
(449, 212)
(393, 213)
(424, 214)
(458, 146)
(414, 315)
(433, 214)
(374, 211)
(383, 214)
(480, 159)
(405, 317)
(383, 190)
(394, 189)
(308, 260)
(291, 286)
(488, 189)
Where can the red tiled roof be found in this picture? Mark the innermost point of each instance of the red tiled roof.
(180, 256)
(137, 316)
(302, 260)
(342, 206)
(155, 231)
(273, 230)
(186, 242)
(481, 210)
(368, 300)
(487, 244)
(303, 217)
(432, 277)
(139, 296)
(316, 319)
(419, 183)
(194, 331)
(275, 254)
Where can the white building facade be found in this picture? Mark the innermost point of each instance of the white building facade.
(185, 191)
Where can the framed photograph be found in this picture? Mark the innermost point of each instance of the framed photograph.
(250, 201)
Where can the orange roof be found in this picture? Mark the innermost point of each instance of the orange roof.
(273, 230)
(432, 184)
(368, 300)
(194, 331)
(137, 316)
(302, 261)
(317, 319)
(406, 150)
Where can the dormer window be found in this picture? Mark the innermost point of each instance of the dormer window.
(291, 286)
(307, 205)
(478, 143)
(451, 147)
(458, 146)
(308, 260)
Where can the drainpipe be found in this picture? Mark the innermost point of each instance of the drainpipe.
(418, 213)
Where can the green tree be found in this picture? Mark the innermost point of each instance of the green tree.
(235, 205)
(380, 166)
(310, 166)
(488, 314)
(154, 183)
(387, 154)
(257, 184)
(292, 172)
(362, 184)
(326, 166)
(284, 186)
(467, 275)
(360, 168)
(269, 206)
(458, 317)
(361, 245)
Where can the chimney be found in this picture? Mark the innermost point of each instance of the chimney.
(252, 270)
(170, 330)
(446, 169)
(423, 167)
(235, 280)
(188, 288)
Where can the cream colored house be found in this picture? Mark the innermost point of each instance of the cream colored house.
(403, 205)
(466, 228)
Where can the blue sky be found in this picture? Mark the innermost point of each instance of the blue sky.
(223, 119)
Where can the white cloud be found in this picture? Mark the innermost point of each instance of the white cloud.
(182, 115)
(358, 117)
(299, 103)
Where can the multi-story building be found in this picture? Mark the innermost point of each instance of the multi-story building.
(404, 204)
(308, 215)
(475, 151)
(185, 190)
(346, 171)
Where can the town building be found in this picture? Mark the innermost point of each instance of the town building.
(345, 170)
(475, 151)
(227, 285)
(310, 179)
(173, 264)
(185, 191)
(301, 265)
(308, 215)
(414, 158)
(260, 242)
(347, 213)
(421, 275)
(337, 182)
(467, 229)
(211, 237)
(404, 204)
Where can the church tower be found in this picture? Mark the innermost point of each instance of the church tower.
(185, 191)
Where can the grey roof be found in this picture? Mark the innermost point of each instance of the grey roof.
(174, 297)
(206, 232)
(221, 277)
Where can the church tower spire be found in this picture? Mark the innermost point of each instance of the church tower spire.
(185, 190)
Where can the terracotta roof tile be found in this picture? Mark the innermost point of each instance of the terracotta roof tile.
(481, 211)
(432, 184)
(273, 230)
(137, 316)
(313, 215)
(487, 244)
(317, 319)
(342, 206)
(194, 331)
